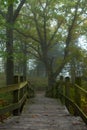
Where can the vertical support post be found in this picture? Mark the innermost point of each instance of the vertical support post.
(16, 79)
(21, 90)
(67, 90)
(77, 92)
(21, 78)
(15, 100)
(60, 88)
(61, 84)
(16, 96)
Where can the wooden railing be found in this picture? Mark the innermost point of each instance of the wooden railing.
(19, 95)
(74, 97)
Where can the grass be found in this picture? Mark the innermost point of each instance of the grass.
(4, 96)
(2, 80)
(39, 83)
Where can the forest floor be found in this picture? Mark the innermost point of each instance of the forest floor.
(42, 113)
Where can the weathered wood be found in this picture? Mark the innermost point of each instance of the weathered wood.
(16, 79)
(23, 84)
(67, 90)
(18, 100)
(81, 89)
(13, 106)
(13, 87)
(44, 114)
(70, 102)
(60, 88)
(17, 95)
(77, 91)
(76, 108)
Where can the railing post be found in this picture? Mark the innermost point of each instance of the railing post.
(15, 100)
(16, 96)
(67, 90)
(16, 79)
(60, 88)
(21, 78)
(77, 92)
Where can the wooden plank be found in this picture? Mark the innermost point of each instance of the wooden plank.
(8, 88)
(13, 87)
(21, 85)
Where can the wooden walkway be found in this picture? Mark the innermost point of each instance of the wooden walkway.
(43, 113)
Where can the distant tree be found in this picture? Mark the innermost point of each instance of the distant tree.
(20, 57)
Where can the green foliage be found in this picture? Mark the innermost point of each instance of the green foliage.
(7, 97)
(8, 2)
(61, 13)
(38, 83)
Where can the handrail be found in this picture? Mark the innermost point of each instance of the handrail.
(19, 96)
(76, 107)
(75, 98)
(13, 106)
(81, 88)
(13, 87)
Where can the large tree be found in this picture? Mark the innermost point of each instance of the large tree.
(10, 15)
(50, 23)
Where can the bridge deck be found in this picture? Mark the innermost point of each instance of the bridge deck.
(43, 113)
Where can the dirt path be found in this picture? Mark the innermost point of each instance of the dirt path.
(43, 113)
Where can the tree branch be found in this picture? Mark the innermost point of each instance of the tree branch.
(68, 41)
(26, 35)
(70, 28)
(37, 50)
(37, 26)
(47, 3)
(45, 31)
(16, 13)
(53, 35)
(32, 53)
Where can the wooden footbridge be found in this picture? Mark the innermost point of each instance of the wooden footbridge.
(44, 113)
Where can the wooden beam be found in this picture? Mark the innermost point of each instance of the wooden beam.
(13, 87)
